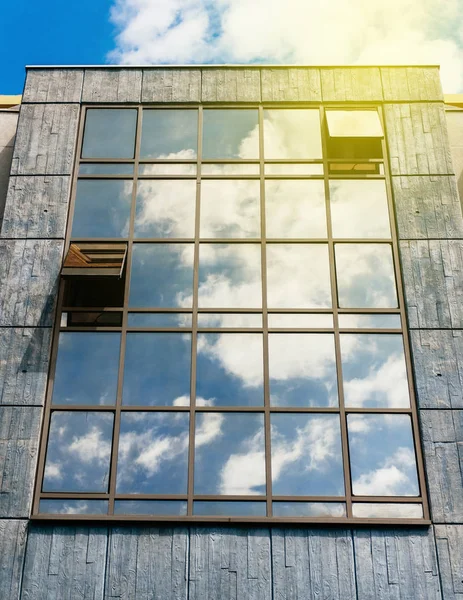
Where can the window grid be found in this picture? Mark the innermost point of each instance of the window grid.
(266, 409)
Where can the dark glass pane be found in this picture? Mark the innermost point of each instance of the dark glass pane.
(102, 208)
(241, 320)
(300, 320)
(229, 169)
(162, 275)
(84, 292)
(293, 169)
(229, 276)
(166, 169)
(79, 452)
(230, 133)
(309, 509)
(357, 321)
(374, 371)
(159, 320)
(359, 209)
(302, 369)
(229, 369)
(165, 208)
(87, 368)
(365, 275)
(106, 169)
(91, 319)
(292, 133)
(157, 369)
(109, 133)
(169, 134)
(153, 453)
(382, 455)
(306, 455)
(229, 509)
(295, 209)
(150, 507)
(230, 209)
(298, 276)
(229, 454)
(364, 510)
(74, 507)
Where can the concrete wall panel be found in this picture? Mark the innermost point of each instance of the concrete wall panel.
(291, 85)
(112, 85)
(231, 85)
(449, 541)
(13, 535)
(166, 85)
(411, 83)
(351, 85)
(57, 85)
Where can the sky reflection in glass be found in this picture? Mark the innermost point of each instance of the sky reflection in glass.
(230, 509)
(159, 320)
(230, 133)
(150, 507)
(169, 134)
(309, 509)
(109, 133)
(383, 510)
(292, 133)
(243, 320)
(300, 320)
(358, 321)
(74, 507)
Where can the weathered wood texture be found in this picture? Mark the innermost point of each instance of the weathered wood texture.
(313, 564)
(449, 541)
(417, 137)
(411, 83)
(171, 85)
(36, 207)
(147, 563)
(19, 439)
(427, 207)
(442, 435)
(12, 549)
(112, 85)
(438, 363)
(46, 139)
(291, 85)
(354, 85)
(65, 563)
(230, 85)
(29, 272)
(433, 279)
(396, 565)
(53, 85)
(230, 563)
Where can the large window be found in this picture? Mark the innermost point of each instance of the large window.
(251, 363)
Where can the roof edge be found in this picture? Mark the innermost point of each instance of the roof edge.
(231, 66)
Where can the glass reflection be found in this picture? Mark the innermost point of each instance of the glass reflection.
(292, 133)
(229, 169)
(382, 455)
(106, 169)
(230, 209)
(300, 320)
(387, 511)
(86, 368)
(309, 509)
(79, 451)
(153, 453)
(170, 267)
(293, 169)
(230, 133)
(229, 369)
(165, 209)
(102, 208)
(166, 169)
(354, 123)
(302, 369)
(230, 276)
(230, 509)
(365, 274)
(242, 320)
(159, 320)
(229, 454)
(73, 507)
(169, 134)
(298, 276)
(295, 209)
(359, 209)
(374, 371)
(306, 455)
(150, 507)
(157, 369)
(91, 319)
(109, 133)
(357, 321)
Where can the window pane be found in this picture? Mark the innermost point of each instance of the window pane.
(91, 319)
(309, 509)
(229, 276)
(229, 369)
(86, 368)
(298, 276)
(365, 275)
(387, 511)
(157, 369)
(109, 133)
(242, 320)
(300, 320)
(292, 133)
(374, 371)
(159, 320)
(382, 455)
(359, 209)
(165, 209)
(171, 133)
(150, 507)
(295, 209)
(106, 169)
(229, 454)
(306, 455)
(102, 208)
(79, 451)
(297, 169)
(229, 169)
(230, 133)
(230, 509)
(74, 507)
(302, 369)
(369, 321)
(166, 169)
(230, 209)
(153, 453)
(354, 123)
(162, 275)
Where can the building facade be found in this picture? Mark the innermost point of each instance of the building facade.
(230, 332)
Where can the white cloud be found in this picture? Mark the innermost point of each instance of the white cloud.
(53, 471)
(396, 477)
(91, 447)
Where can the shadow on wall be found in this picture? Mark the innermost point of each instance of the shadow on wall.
(6, 155)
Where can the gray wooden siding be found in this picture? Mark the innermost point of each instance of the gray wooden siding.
(449, 540)
(112, 85)
(13, 534)
(231, 85)
(171, 85)
(411, 83)
(291, 85)
(56, 85)
(353, 85)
